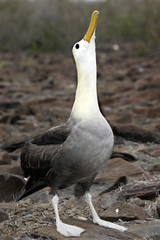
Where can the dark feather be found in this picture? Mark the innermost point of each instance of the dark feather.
(33, 185)
(56, 135)
(36, 157)
(36, 160)
(83, 186)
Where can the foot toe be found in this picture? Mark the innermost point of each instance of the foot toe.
(109, 225)
(69, 230)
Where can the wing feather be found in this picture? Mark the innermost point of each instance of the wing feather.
(56, 135)
(36, 157)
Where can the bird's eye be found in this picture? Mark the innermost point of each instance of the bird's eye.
(77, 46)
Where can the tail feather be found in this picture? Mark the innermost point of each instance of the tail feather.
(32, 186)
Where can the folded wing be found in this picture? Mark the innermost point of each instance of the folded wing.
(36, 157)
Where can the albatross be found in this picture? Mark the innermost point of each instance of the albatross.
(73, 153)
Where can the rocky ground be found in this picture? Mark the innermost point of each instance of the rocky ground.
(37, 92)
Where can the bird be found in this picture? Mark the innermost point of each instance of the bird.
(73, 152)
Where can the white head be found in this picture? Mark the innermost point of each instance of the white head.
(84, 50)
(85, 57)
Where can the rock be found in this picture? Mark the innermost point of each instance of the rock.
(14, 143)
(126, 118)
(11, 206)
(126, 156)
(6, 237)
(3, 215)
(149, 112)
(37, 196)
(138, 96)
(109, 181)
(119, 167)
(13, 168)
(115, 173)
(5, 158)
(108, 199)
(135, 133)
(93, 232)
(10, 186)
(155, 168)
(142, 189)
(139, 202)
(124, 211)
(9, 104)
(2, 134)
(11, 118)
(149, 230)
(153, 151)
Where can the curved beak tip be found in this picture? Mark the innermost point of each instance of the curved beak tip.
(92, 26)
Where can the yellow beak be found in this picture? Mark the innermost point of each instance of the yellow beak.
(92, 26)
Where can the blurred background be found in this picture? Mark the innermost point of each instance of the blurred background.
(51, 25)
(37, 70)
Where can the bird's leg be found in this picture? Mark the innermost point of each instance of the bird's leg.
(96, 218)
(65, 229)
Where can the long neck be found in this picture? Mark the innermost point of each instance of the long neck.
(86, 103)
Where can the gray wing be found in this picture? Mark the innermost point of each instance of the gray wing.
(36, 156)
